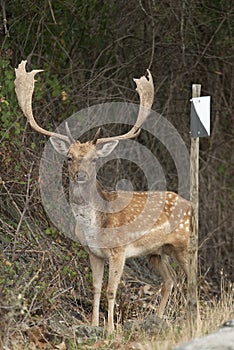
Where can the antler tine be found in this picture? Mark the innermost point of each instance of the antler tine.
(24, 87)
(68, 132)
(96, 136)
(145, 89)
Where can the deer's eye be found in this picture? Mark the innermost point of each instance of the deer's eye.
(94, 160)
(69, 159)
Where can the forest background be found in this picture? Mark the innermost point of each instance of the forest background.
(90, 51)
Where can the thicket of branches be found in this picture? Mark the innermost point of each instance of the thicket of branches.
(90, 52)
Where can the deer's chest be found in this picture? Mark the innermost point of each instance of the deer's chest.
(86, 216)
(87, 229)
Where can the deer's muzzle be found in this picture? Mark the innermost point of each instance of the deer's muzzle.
(82, 176)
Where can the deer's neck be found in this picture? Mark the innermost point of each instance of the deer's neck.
(88, 196)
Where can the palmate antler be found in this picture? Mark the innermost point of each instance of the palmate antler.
(24, 87)
(145, 89)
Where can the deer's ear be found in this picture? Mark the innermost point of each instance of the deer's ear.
(106, 148)
(59, 145)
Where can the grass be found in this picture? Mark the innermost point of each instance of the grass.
(212, 314)
(36, 314)
(46, 295)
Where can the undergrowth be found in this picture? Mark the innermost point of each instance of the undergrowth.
(46, 301)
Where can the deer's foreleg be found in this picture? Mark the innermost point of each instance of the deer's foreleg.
(116, 265)
(97, 266)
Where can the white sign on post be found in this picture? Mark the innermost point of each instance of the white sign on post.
(200, 116)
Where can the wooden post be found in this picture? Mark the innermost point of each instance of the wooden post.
(192, 297)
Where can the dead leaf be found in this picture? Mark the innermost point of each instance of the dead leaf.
(37, 337)
(61, 346)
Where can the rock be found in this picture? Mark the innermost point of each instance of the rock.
(150, 324)
(82, 332)
(221, 339)
(85, 332)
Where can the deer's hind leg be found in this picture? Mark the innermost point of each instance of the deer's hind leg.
(182, 258)
(160, 264)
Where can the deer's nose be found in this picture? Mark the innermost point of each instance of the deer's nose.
(82, 176)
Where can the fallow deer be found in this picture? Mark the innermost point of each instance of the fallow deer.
(154, 224)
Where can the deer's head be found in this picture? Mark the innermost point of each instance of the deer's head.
(81, 157)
